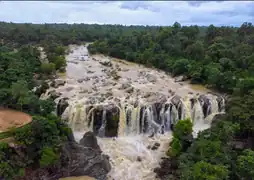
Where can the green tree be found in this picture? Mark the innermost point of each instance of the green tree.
(245, 165)
(182, 137)
(180, 67)
(206, 171)
(48, 157)
(48, 68)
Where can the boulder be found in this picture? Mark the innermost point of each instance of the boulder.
(57, 82)
(155, 146)
(141, 73)
(151, 78)
(80, 80)
(86, 79)
(125, 85)
(180, 78)
(106, 62)
(125, 69)
(108, 94)
(41, 89)
(139, 159)
(148, 94)
(69, 89)
(89, 140)
(130, 90)
(166, 169)
(54, 94)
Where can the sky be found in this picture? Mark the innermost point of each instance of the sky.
(219, 13)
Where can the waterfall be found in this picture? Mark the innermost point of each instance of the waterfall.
(214, 106)
(143, 120)
(131, 117)
(174, 115)
(223, 105)
(101, 132)
(186, 108)
(150, 118)
(90, 115)
(134, 120)
(213, 109)
(128, 112)
(167, 117)
(197, 112)
(122, 121)
(72, 115)
(162, 117)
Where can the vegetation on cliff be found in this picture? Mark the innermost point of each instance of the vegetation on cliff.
(35, 144)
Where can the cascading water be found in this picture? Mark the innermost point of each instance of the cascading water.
(137, 126)
(122, 121)
(101, 132)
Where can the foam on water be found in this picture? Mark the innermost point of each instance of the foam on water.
(125, 151)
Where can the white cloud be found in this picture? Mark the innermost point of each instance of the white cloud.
(144, 13)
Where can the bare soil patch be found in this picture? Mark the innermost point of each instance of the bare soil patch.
(13, 119)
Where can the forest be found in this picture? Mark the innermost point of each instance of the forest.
(221, 58)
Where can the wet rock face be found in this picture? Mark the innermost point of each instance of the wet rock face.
(61, 106)
(221, 103)
(217, 118)
(205, 102)
(112, 120)
(176, 100)
(53, 94)
(167, 168)
(41, 89)
(75, 160)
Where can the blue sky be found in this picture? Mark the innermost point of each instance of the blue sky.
(232, 13)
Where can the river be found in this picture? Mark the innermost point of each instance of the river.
(145, 101)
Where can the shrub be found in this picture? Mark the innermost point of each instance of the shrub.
(48, 157)
(48, 68)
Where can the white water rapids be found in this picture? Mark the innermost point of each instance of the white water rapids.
(139, 100)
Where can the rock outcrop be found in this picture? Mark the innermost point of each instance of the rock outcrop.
(58, 82)
(75, 160)
(53, 94)
(167, 169)
(41, 89)
(217, 118)
(89, 140)
(61, 106)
